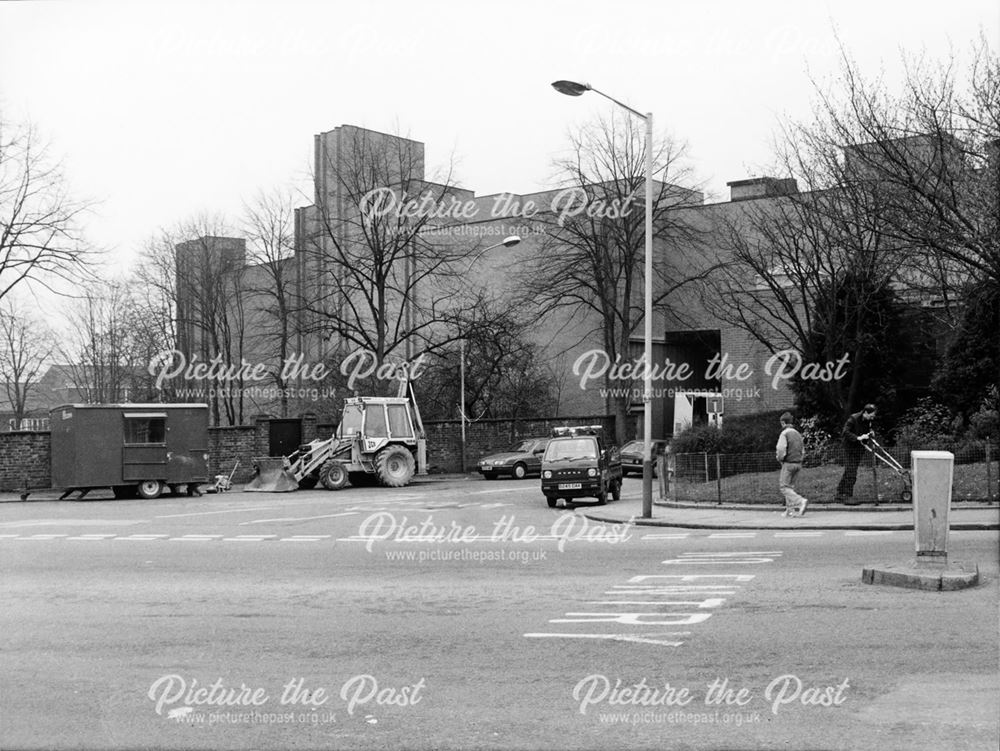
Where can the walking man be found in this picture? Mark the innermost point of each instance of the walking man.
(789, 452)
(857, 430)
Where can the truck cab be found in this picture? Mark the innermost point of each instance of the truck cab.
(579, 463)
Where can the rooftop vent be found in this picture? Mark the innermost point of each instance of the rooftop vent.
(761, 187)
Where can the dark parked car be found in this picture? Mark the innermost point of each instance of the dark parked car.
(579, 464)
(522, 460)
(632, 456)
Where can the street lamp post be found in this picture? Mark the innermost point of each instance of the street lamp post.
(507, 242)
(571, 88)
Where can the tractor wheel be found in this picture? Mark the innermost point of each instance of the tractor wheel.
(395, 466)
(308, 482)
(333, 475)
(149, 489)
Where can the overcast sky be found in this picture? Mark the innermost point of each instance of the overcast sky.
(164, 110)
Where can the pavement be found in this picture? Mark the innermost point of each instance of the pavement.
(884, 517)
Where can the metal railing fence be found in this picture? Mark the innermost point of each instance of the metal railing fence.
(753, 478)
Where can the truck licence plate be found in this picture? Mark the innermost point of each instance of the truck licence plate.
(570, 486)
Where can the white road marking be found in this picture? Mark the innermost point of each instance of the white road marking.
(196, 538)
(305, 538)
(731, 535)
(73, 523)
(499, 490)
(740, 558)
(867, 533)
(249, 538)
(798, 534)
(221, 511)
(678, 536)
(657, 639)
(711, 602)
(143, 537)
(42, 537)
(299, 518)
(92, 537)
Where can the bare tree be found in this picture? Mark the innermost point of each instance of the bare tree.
(269, 226)
(503, 375)
(899, 196)
(810, 273)
(934, 151)
(592, 260)
(109, 348)
(378, 279)
(195, 276)
(25, 348)
(39, 234)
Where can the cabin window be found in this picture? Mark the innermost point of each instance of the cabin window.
(141, 429)
(399, 421)
(375, 426)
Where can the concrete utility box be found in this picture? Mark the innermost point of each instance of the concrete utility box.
(932, 478)
(131, 448)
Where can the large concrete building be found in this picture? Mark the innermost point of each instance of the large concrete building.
(335, 241)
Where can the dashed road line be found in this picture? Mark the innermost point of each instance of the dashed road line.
(220, 511)
(299, 518)
(867, 532)
(98, 537)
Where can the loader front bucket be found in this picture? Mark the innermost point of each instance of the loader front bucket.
(272, 477)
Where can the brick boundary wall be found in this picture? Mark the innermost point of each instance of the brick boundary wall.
(25, 456)
(25, 460)
(482, 437)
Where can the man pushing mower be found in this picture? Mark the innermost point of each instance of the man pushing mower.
(857, 431)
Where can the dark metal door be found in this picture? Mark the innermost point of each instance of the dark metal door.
(284, 437)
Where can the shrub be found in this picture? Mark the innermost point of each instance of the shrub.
(751, 434)
(696, 440)
(747, 434)
(986, 422)
(820, 447)
(928, 424)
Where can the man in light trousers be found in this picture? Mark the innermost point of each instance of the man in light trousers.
(789, 452)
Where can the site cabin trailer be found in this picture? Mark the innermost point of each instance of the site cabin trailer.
(134, 449)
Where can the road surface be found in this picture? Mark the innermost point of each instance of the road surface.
(467, 614)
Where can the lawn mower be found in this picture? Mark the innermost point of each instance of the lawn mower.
(883, 455)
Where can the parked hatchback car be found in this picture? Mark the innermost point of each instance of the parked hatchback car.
(632, 456)
(522, 460)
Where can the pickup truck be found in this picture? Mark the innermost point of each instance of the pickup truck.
(578, 463)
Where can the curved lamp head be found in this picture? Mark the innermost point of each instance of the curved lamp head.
(570, 88)
(511, 241)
